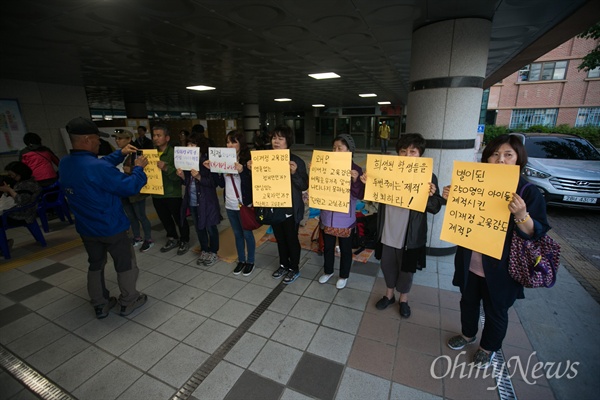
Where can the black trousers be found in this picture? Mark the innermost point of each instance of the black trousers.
(496, 318)
(168, 210)
(288, 244)
(345, 254)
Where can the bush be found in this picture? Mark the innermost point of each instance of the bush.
(491, 131)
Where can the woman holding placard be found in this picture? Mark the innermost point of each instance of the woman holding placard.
(238, 191)
(483, 278)
(337, 225)
(286, 232)
(201, 198)
(403, 234)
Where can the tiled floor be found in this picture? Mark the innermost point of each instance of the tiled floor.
(313, 341)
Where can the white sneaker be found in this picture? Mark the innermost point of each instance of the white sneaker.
(324, 278)
(341, 283)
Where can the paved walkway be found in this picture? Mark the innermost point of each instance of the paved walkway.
(254, 338)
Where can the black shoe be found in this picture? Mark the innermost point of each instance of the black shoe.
(128, 309)
(248, 269)
(171, 244)
(404, 309)
(103, 310)
(239, 267)
(183, 248)
(279, 272)
(385, 302)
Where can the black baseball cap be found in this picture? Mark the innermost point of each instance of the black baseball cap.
(83, 126)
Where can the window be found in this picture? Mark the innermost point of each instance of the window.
(588, 116)
(546, 71)
(594, 73)
(523, 119)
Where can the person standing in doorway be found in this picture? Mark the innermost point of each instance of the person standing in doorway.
(168, 204)
(384, 136)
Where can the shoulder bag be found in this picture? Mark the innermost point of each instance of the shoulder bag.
(533, 263)
(247, 215)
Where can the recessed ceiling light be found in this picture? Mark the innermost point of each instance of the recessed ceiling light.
(324, 75)
(368, 95)
(200, 87)
(318, 105)
(283, 99)
(384, 102)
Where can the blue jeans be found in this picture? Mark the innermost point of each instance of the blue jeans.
(208, 237)
(136, 212)
(243, 239)
(384, 146)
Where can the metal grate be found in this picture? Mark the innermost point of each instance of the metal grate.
(206, 368)
(33, 381)
(506, 391)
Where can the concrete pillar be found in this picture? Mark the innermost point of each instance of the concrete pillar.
(448, 65)
(251, 121)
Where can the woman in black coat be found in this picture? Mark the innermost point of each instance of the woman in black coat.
(483, 278)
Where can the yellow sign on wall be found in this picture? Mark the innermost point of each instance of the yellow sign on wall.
(271, 178)
(477, 214)
(154, 174)
(399, 181)
(329, 180)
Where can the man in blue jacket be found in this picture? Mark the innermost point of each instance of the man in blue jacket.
(94, 188)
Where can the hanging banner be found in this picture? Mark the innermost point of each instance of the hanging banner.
(271, 178)
(477, 215)
(154, 174)
(399, 181)
(329, 180)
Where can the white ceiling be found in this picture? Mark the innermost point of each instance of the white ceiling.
(252, 51)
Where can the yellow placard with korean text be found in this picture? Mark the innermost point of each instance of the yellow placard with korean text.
(271, 178)
(154, 174)
(477, 214)
(329, 180)
(399, 181)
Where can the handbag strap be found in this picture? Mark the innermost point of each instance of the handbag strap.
(523, 188)
(235, 189)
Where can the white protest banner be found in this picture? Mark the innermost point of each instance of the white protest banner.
(187, 158)
(222, 160)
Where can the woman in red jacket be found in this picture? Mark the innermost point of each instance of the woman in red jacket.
(39, 159)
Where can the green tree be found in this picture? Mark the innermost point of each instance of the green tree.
(592, 59)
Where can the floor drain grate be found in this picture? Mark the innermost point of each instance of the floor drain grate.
(206, 368)
(506, 391)
(30, 378)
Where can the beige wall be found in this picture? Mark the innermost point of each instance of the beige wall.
(45, 109)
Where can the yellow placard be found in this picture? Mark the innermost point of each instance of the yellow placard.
(329, 180)
(477, 215)
(399, 181)
(271, 178)
(154, 174)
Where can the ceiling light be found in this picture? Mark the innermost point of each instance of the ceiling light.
(318, 105)
(324, 75)
(200, 87)
(368, 95)
(283, 99)
(384, 102)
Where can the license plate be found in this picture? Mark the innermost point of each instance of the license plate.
(577, 199)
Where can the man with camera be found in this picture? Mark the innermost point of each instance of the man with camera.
(94, 188)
